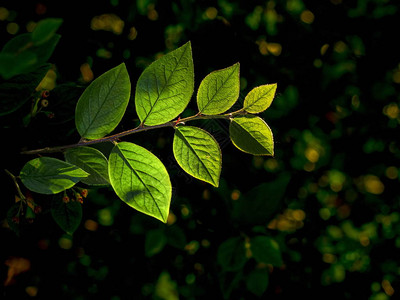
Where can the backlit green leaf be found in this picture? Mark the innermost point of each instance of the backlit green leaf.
(259, 98)
(45, 30)
(219, 90)
(232, 254)
(67, 215)
(92, 161)
(47, 175)
(103, 103)
(165, 87)
(140, 179)
(266, 250)
(252, 135)
(198, 153)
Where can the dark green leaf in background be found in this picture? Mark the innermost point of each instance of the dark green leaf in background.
(257, 281)
(266, 250)
(155, 242)
(45, 30)
(67, 215)
(198, 153)
(219, 90)
(232, 254)
(251, 134)
(140, 179)
(165, 87)
(92, 161)
(103, 103)
(47, 175)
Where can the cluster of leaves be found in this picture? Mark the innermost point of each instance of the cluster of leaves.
(163, 91)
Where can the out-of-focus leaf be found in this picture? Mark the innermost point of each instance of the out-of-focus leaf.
(67, 215)
(232, 254)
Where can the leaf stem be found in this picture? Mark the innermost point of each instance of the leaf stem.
(140, 128)
(14, 178)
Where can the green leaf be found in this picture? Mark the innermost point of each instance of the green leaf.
(165, 87)
(154, 242)
(20, 55)
(198, 153)
(252, 135)
(12, 65)
(266, 250)
(16, 91)
(257, 281)
(103, 103)
(67, 215)
(140, 179)
(175, 237)
(259, 98)
(47, 175)
(232, 254)
(219, 90)
(45, 30)
(92, 161)
(260, 204)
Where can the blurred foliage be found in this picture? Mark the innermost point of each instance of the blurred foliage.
(328, 200)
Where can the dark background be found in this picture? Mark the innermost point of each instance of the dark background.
(338, 220)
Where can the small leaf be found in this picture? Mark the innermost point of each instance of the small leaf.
(266, 250)
(67, 215)
(252, 135)
(103, 103)
(155, 242)
(12, 65)
(45, 30)
(198, 153)
(165, 87)
(47, 175)
(92, 161)
(140, 179)
(232, 254)
(219, 90)
(259, 98)
(257, 281)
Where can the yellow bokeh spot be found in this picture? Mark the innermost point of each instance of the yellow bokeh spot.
(171, 218)
(298, 215)
(387, 287)
(91, 225)
(211, 13)
(108, 22)
(391, 110)
(86, 72)
(31, 26)
(329, 258)
(235, 195)
(392, 172)
(396, 76)
(340, 47)
(324, 48)
(132, 33)
(206, 194)
(311, 154)
(269, 48)
(364, 240)
(185, 211)
(65, 243)
(12, 28)
(309, 167)
(31, 291)
(152, 14)
(355, 101)
(271, 164)
(4, 13)
(373, 185)
(307, 17)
